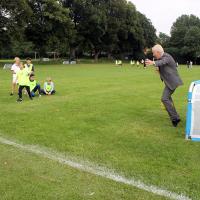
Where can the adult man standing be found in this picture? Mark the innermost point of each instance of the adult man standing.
(15, 68)
(166, 66)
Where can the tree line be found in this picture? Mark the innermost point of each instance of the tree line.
(94, 28)
(113, 28)
(184, 42)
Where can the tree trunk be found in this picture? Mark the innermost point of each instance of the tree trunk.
(96, 56)
(109, 55)
(72, 53)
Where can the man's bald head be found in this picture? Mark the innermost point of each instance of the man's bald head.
(158, 51)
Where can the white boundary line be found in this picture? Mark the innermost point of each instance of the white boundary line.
(92, 169)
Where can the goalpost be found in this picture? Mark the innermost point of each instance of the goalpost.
(193, 112)
(7, 66)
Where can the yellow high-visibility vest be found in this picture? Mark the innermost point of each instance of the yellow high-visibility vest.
(29, 67)
(32, 84)
(48, 88)
(23, 77)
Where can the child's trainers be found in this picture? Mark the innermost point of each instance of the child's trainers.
(19, 100)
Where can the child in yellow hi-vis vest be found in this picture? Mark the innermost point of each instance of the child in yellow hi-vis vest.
(34, 86)
(29, 66)
(23, 81)
(49, 88)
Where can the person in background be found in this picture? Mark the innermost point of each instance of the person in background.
(23, 80)
(49, 88)
(15, 68)
(34, 86)
(138, 63)
(132, 62)
(188, 64)
(29, 66)
(191, 64)
(144, 64)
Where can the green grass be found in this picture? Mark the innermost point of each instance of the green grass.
(25, 176)
(110, 116)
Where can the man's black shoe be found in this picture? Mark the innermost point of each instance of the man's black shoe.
(176, 122)
(11, 94)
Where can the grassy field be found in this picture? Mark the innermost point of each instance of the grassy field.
(107, 115)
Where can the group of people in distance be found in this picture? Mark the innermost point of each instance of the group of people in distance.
(132, 63)
(23, 77)
(189, 64)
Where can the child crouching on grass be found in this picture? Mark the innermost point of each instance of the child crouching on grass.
(34, 86)
(49, 88)
(23, 81)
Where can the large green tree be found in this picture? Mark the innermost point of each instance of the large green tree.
(149, 32)
(110, 26)
(185, 37)
(163, 39)
(89, 21)
(49, 27)
(130, 33)
(13, 20)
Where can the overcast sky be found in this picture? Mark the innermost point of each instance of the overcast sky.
(163, 13)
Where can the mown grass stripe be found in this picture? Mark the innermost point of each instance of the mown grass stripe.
(93, 169)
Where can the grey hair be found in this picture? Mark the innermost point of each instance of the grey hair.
(158, 48)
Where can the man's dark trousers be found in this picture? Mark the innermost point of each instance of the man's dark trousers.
(169, 104)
